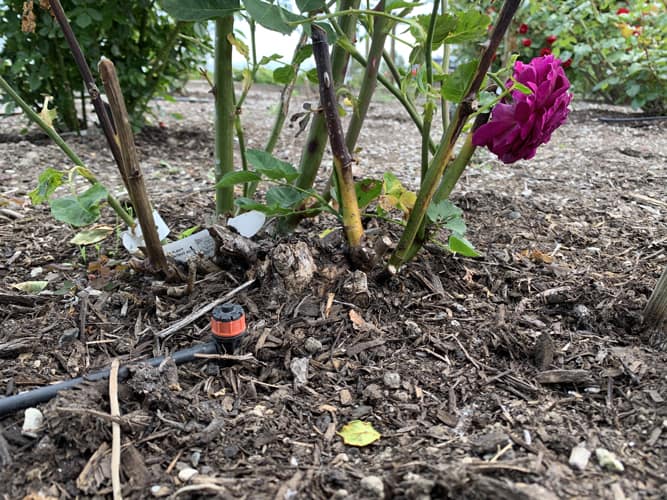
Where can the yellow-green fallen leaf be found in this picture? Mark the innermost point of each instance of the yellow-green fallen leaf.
(31, 286)
(358, 433)
(90, 236)
(48, 115)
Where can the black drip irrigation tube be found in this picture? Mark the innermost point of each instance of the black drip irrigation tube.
(626, 119)
(27, 399)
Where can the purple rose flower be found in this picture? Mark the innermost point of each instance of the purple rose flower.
(517, 128)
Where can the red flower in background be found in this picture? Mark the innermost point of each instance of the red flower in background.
(551, 39)
(523, 29)
(567, 63)
(622, 10)
(545, 51)
(526, 42)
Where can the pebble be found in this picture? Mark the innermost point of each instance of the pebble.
(33, 422)
(373, 485)
(412, 329)
(345, 397)
(312, 345)
(392, 380)
(579, 457)
(159, 490)
(195, 457)
(186, 474)
(373, 392)
(340, 494)
(608, 460)
(299, 368)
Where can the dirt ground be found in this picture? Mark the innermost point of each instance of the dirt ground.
(481, 375)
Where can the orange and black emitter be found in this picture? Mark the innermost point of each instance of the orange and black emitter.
(228, 326)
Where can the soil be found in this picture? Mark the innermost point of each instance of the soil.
(482, 375)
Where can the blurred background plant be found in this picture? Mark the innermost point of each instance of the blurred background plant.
(153, 53)
(615, 52)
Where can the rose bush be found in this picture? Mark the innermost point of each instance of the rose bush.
(613, 51)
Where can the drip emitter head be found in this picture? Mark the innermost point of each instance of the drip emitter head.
(228, 326)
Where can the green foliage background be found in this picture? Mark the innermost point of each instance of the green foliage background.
(151, 51)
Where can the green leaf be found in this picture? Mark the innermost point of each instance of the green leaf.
(303, 53)
(33, 287)
(267, 59)
(358, 433)
(443, 211)
(455, 84)
(272, 17)
(520, 87)
(310, 5)
(458, 244)
(470, 26)
(83, 20)
(271, 167)
(200, 10)
(49, 180)
(238, 177)
(284, 196)
(284, 74)
(247, 204)
(367, 190)
(311, 75)
(79, 210)
(92, 236)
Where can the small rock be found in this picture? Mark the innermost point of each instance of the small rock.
(230, 451)
(299, 368)
(373, 485)
(581, 313)
(357, 283)
(345, 397)
(392, 380)
(608, 460)
(195, 457)
(340, 495)
(33, 422)
(312, 345)
(402, 396)
(418, 485)
(490, 442)
(186, 474)
(159, 490)
(579, 457)
(455, 323)
(514, 215)
(412, 329)
(373, 392)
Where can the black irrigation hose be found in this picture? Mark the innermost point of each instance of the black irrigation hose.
(27, 399)
(622, 119)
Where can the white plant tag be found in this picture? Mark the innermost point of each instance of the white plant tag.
(248, 223)
(195, 244)
(132, 240)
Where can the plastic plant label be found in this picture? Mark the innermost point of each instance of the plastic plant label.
(200, 243)
(359, 433)
(133, 239)
(248, 223)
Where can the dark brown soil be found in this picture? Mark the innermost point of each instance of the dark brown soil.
(481, 374)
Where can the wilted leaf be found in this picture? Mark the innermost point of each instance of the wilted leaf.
(367, 191)
(46, 114)
(33, 287)
(359, 433)
(538, 256)
(240, 47)
(91, 236)
(48, 182)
